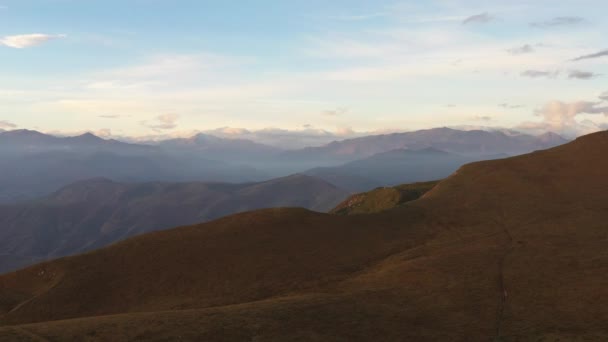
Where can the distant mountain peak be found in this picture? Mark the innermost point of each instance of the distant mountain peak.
(87, 138)
(23, 133)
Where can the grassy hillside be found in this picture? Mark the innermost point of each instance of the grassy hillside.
(506, 250)
(382, 199)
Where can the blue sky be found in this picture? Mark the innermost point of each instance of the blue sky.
(343, 68)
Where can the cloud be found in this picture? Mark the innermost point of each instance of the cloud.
(582, 75)
(7, 125)
(510, 106)
(561, 117)
(604, 96)
(521, 50)
(482, 118)
(481, 18)
(103, 133)
(163, 122)
(540, 73)
(335, 112)
(110, 116)
(558, 21)
(603, 53)
(28, 40)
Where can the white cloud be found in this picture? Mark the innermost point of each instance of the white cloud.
(7, 125)
(335, 112)
(569, 119)
(163, 122)
(28, 40)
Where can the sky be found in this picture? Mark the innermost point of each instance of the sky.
(160, 68)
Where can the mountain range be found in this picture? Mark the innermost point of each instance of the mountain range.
(474, 142)
(94, 213)
(505, 250)
(33, 164)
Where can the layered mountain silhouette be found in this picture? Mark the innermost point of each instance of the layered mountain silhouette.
(221, 149)
(504, 250)
(28, 141)
(35, 164)
(475, 142)
(396, 167)
(92, 214)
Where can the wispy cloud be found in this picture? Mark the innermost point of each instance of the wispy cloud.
(481, 18)
(163, 122)
(510, 106)
(335, 112)
(28, 40)
(484, 118)
(111, 116)
(558, 21)
(603, 53)
(582, 75)
(604, 96)
(520, 50)
(540, 73)
(7, 125)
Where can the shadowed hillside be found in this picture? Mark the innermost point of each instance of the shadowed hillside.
(505, 250)
(92, 214)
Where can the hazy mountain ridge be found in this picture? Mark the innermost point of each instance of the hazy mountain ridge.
(396, 167)
(91, 214)
(220, 148)
(474, 142)
(28, 141)
(35, 164)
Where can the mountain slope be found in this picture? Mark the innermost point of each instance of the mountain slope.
(395, 167)
(382, 199)
(92, 214)
(505, 250)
